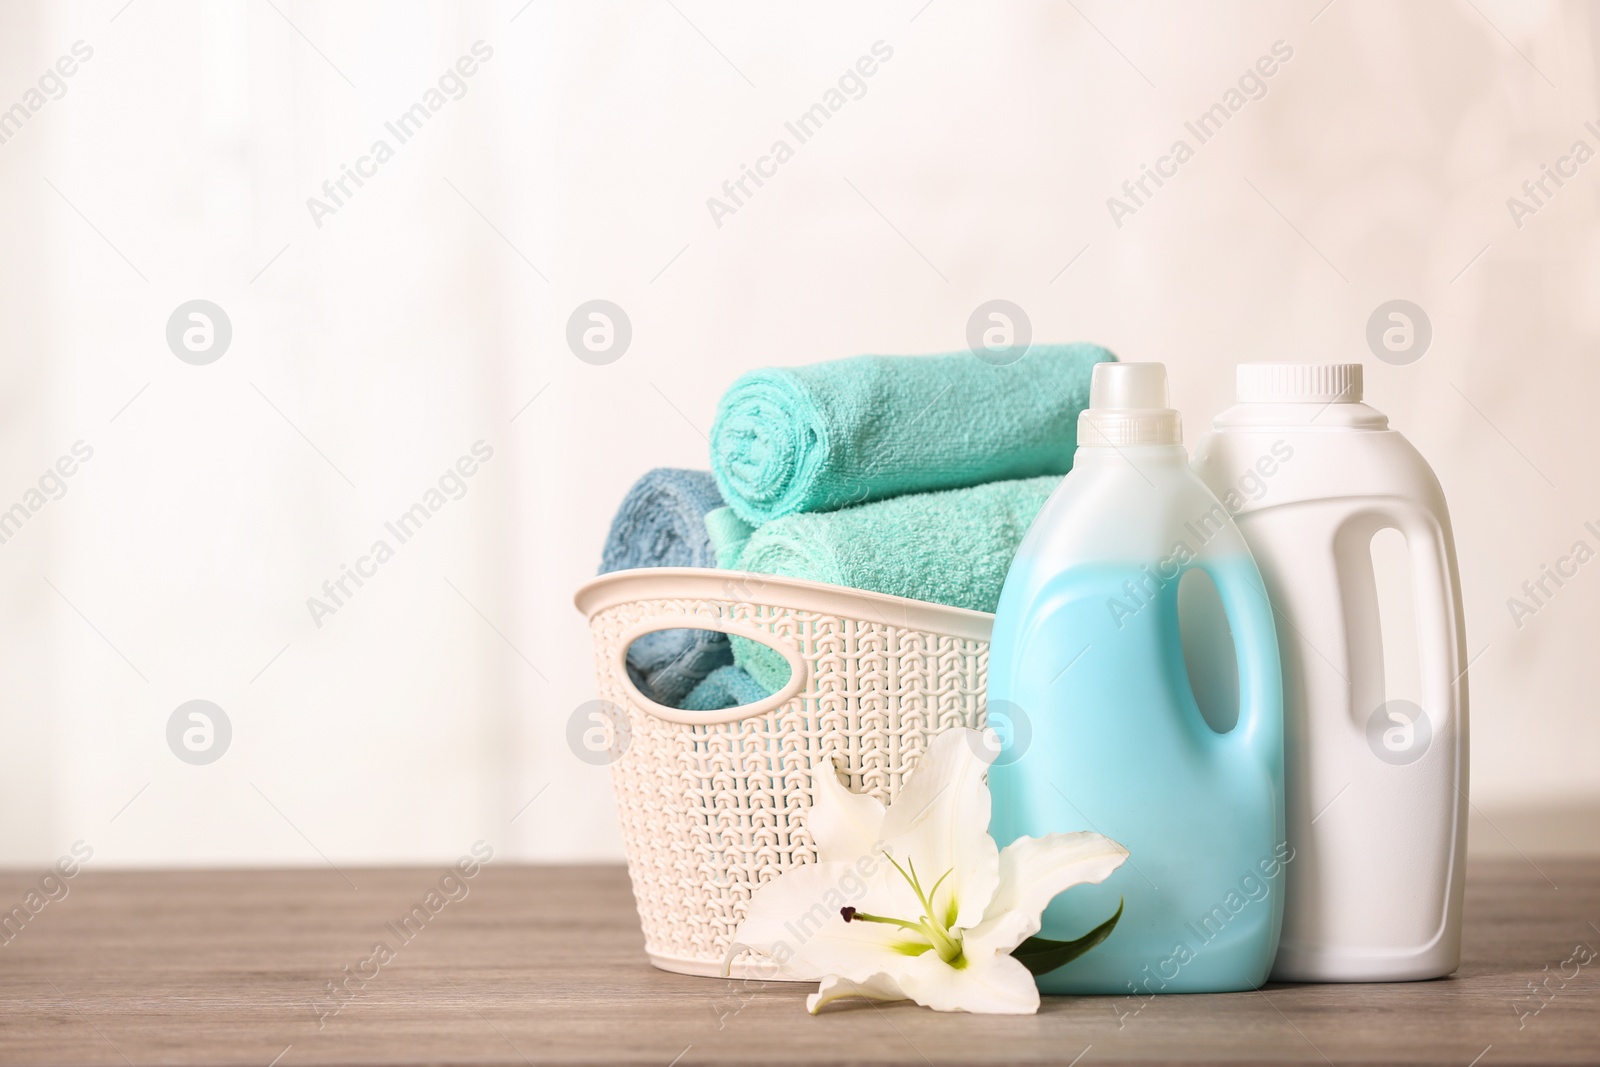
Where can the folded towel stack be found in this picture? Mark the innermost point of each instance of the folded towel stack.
(916, 476)
(661, 523)
(947, 460)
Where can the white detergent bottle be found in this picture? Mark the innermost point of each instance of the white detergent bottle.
(1376, 785)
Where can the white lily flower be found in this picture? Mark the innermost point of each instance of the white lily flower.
(915, 901)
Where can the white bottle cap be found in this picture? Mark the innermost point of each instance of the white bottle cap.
(1299, 383)
(1128, 406)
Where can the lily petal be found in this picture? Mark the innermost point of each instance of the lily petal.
(878, 987)
(845, 826)
(1032, 871)
(795, 921)
(940, 820)
(995, 985)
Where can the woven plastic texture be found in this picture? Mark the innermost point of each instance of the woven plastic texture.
(710, 812)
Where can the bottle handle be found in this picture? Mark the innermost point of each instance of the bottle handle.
(1433, 591)
(1255, 648)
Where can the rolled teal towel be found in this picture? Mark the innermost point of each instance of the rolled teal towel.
(829, 435)
(952, 547)
(729, 534)
(661, 523)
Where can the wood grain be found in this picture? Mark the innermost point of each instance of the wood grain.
(540, 965)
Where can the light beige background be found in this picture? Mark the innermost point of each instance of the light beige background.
(430, 310)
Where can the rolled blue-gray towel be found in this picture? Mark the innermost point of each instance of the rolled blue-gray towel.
(726, 687)
(661, 523)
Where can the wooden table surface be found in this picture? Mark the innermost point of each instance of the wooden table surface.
(539, 965)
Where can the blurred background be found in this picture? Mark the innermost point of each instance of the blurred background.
(377, 333)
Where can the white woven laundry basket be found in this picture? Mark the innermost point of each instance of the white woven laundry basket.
(712, 803)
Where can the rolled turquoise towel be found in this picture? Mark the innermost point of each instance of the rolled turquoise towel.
(952, 547)
(729, 534)
(829, 435)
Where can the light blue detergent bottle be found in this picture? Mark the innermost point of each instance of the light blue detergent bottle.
(1100, 728)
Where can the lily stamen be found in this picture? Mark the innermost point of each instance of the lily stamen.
(852, 915)
(936, 931)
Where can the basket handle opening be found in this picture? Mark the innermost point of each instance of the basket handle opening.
(781, 647)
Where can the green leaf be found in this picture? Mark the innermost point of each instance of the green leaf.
(1041, 956)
